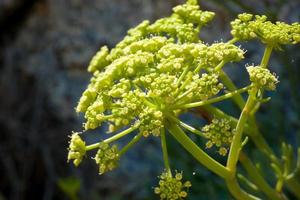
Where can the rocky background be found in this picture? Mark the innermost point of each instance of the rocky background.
(45, 46)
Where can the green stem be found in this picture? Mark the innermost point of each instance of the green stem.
(219, 66)
(130, 144)
(236, 142)
(238, 99)
(250, 104)
(165, 150)
(187, 127)
(196, 152)
(182, 75)
(250, 129)
(192, 129)
(258, 180)
(113, 138)
(237, 192)
(233, 40)
(294, 186)
(266, 56)
(213, 100)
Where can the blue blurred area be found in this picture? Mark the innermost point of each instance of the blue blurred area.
(45, 47)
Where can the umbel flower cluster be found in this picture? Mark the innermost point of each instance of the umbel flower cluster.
(219, 134)
(170, 187)
(159, 71)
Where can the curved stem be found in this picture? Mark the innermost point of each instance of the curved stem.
(237, 192)
(196, 152)
(188, 127)
(130, 144)
(113, 138)
(257, 178)
(236, 141)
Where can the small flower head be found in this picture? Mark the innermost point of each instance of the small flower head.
(77, 149)
(151, 122)
(219, 133)
(99, 60)
(262, 77)
(172, 188)
(205, 86)
(247, 27)
(107, 157)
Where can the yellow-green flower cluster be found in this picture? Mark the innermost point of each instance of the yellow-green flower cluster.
(159, 86)
(247, 27)
(172, 188)
(192, 14)
(107, 157)
(151, 68)
(152, 121)
(219, 133)
(205, 86)
(126, 109)
(218, 52)
(262, 77)
(99, 61)
(77, 149)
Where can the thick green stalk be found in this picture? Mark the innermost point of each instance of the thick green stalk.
(196, 152)
(237, 192)
(266, 57)
(236, 142)
(250, 104)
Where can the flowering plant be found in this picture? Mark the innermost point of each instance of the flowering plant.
(163, 69)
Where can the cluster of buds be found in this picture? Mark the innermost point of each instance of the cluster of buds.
(77, 149)
(172, 188)
(204, 87)
(107, 157)
(151, 123)
(262, 77)
(158, 71)
(247, 27)
(220, 134)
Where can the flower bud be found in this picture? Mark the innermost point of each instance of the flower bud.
(77, 149)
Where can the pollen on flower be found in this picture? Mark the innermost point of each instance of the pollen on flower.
(172, 188)
(219, 133)
(77, 149)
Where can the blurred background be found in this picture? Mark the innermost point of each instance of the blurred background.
(45, 47)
